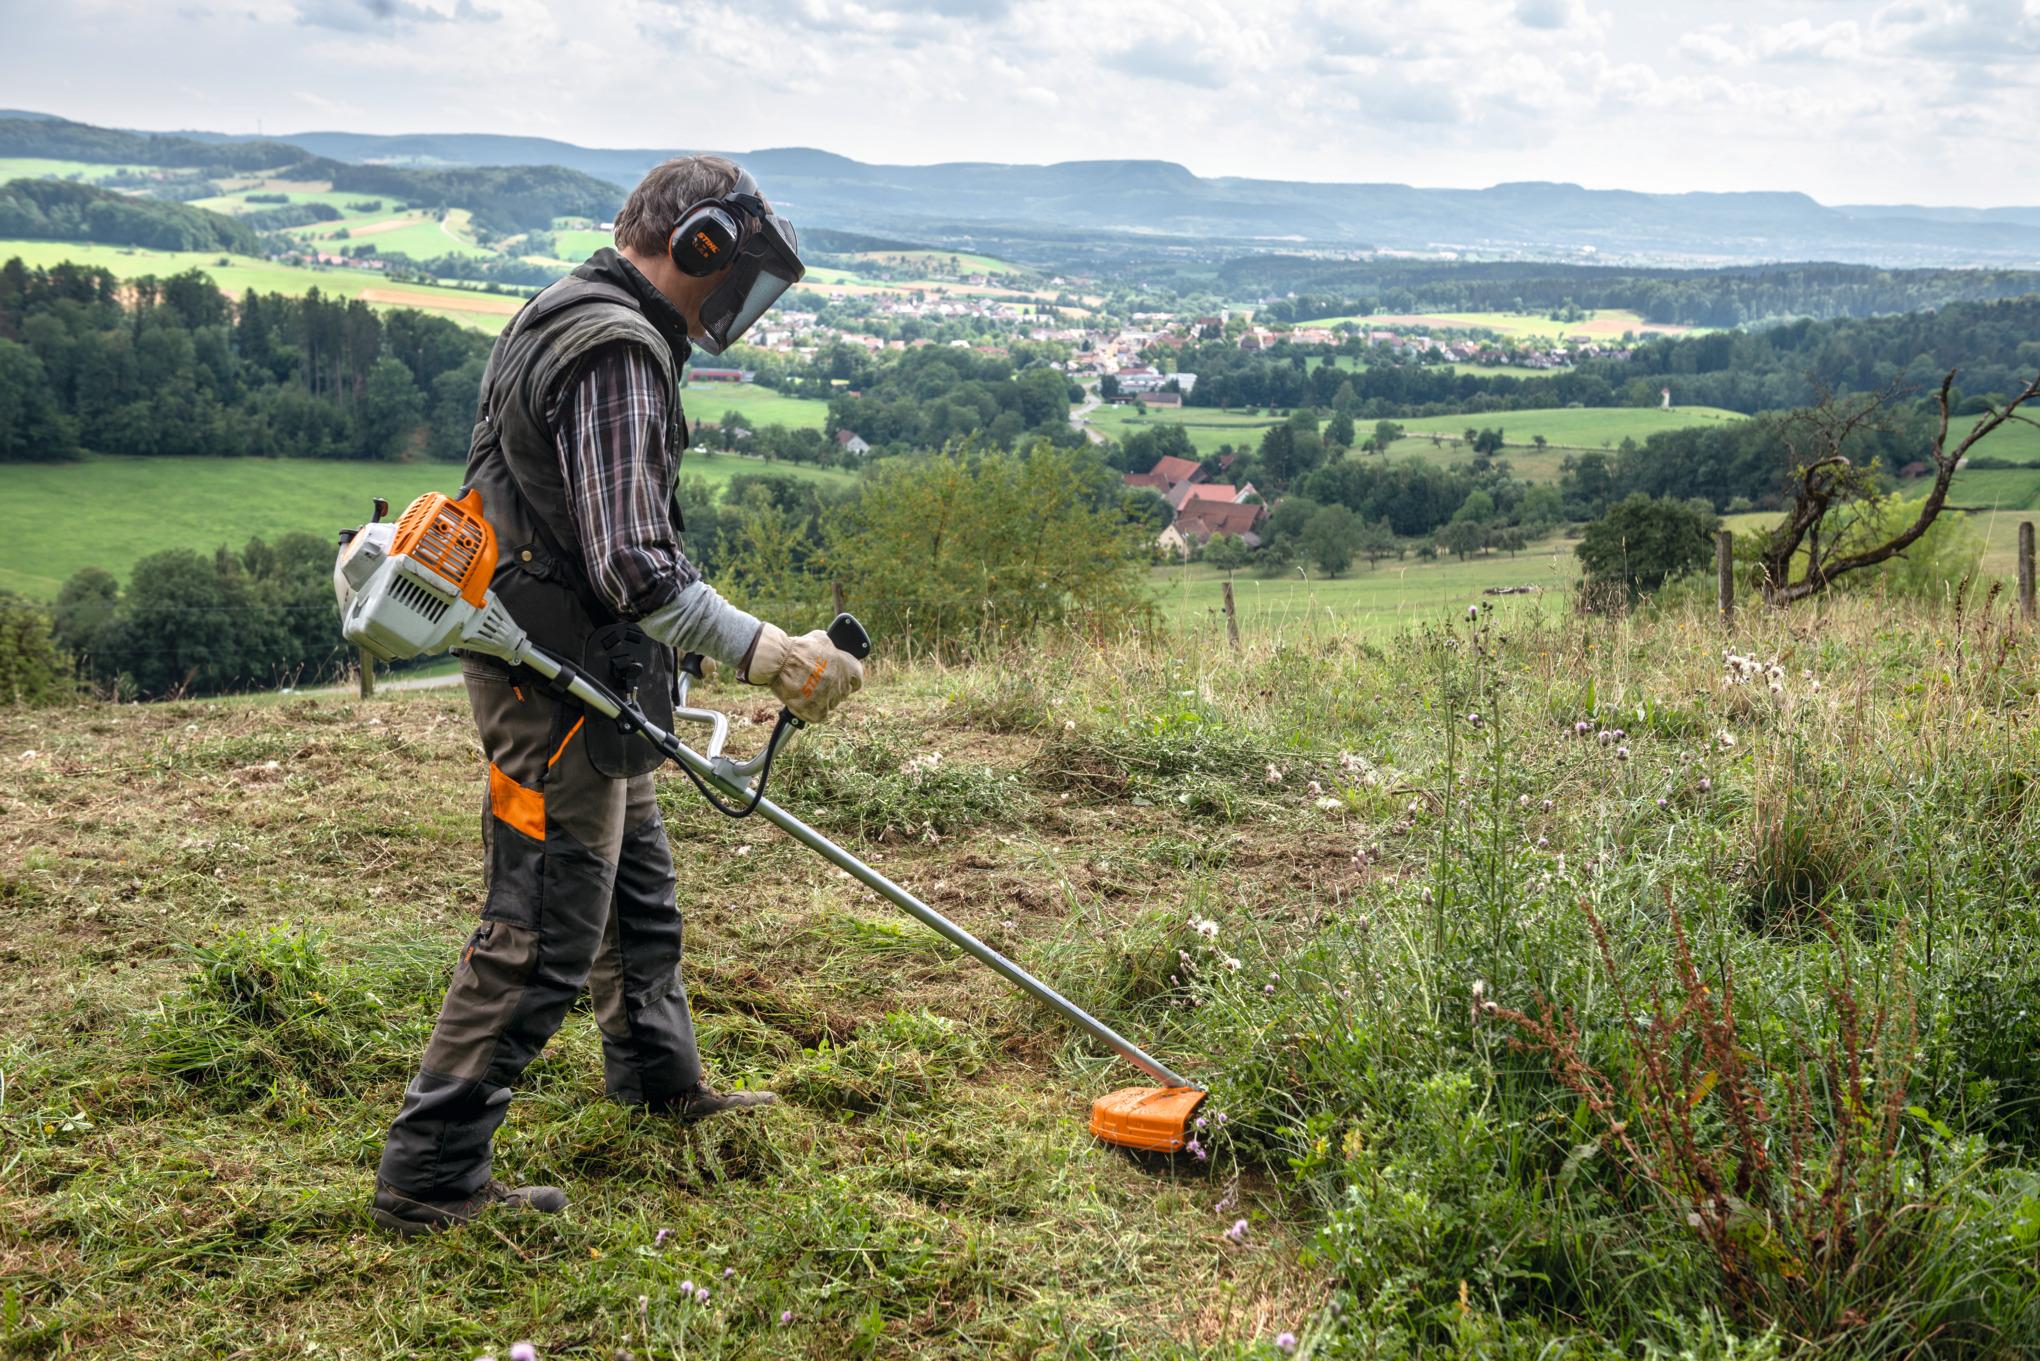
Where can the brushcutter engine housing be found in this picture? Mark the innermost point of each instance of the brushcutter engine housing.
(420, 587)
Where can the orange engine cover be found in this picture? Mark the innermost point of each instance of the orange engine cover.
(1153, 1118)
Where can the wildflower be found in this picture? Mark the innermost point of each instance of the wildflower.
(1473, 611)
(1621, 736)
(1548, 805)
(1069, 725)
(728, 1272)
(1622, 753)
(1662, 804)
(1200, 1122)
(523, 1351)
(1267, 989)
(1705, 784)
(1522, 800)
(1604, 737)
(1206, 928)
(785, 1317)
(1219, 1119)
(1582, 728)
(687, 1287)
(1232, 964)
(1473, 720)
(659, 1239)
(1274, 773)
(1313, 788)
(1543, 842)
(1238, 1232)
(701, 1294)
(1285, 1342)
(1814, 687)
(1725, 738)
(1427, 897)
(1195, 1149)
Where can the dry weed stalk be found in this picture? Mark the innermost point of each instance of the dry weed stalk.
(1791, 1181)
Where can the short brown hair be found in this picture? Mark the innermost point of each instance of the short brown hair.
(668, 190)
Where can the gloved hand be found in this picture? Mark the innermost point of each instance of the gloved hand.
(807, 673)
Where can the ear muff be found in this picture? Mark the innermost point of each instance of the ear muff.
(704, 241)
(708, 234)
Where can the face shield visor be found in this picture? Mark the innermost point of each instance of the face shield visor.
(767, 265)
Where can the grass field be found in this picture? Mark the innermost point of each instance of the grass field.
(1372, 601)
(108, 512)
(1786, 935)
(470, 307)
(708, 402)
(577, 244)
(1608, 324)
(1562, 427)
(42, 168)
(961, 262)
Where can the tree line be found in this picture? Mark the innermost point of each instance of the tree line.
(1996, 345)
(1306, 290)
(58, 210)
(169, 366)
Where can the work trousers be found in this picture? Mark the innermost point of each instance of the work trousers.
(580, 893)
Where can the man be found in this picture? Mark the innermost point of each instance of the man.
(575, 450)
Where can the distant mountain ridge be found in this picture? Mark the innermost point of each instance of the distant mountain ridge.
(1214, 216)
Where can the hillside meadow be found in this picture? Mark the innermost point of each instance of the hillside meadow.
(1604, 325)
(1563, 428)
(143, 505)
(1562, 992)
(470, 306)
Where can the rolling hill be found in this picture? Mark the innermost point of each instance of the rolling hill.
(950, 202)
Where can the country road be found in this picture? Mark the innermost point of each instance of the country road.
(1077, 417)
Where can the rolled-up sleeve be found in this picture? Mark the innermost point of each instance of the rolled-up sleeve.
(610, 431)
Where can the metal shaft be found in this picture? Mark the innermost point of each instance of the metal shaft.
(600, 700)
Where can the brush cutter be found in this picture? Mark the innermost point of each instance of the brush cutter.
(420, 587)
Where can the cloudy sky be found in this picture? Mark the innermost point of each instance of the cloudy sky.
(1930, 101)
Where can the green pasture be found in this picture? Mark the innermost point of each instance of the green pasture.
(1374, 601)
(471, 307)
(1207, 426)
(108, 512)
(1607, 324)
(577, 244)
(1566, 427)
(757, 405)
(236, 203)
(1562, 427)
(963, 261)
(43, 168)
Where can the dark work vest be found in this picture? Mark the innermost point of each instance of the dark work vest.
(512, 458)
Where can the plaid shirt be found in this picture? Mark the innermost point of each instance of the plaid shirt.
(620, 467)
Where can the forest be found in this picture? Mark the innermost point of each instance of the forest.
(57, 210)
(174, 368)
(1737, 296)
(1766, 369)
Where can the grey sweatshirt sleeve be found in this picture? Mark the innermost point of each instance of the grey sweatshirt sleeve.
(699, 620)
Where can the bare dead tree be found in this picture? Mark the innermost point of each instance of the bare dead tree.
(1835, 504)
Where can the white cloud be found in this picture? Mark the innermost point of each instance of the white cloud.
(1856, 100)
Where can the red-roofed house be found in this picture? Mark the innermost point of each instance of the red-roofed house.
(1221, 493)
(1177, 469)
(1197, 522)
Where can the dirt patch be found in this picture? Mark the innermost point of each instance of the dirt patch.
(444, 302)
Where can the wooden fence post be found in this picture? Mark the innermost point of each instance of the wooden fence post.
(2026, 569)
(836, 590)
(1232, 619)
(367, 673)
(1724, 573)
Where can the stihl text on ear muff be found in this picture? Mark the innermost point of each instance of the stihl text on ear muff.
(707, 236)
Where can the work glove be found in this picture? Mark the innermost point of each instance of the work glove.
(807, 673)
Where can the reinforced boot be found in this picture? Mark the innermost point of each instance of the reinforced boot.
(705, 1101)
(406, 1214)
